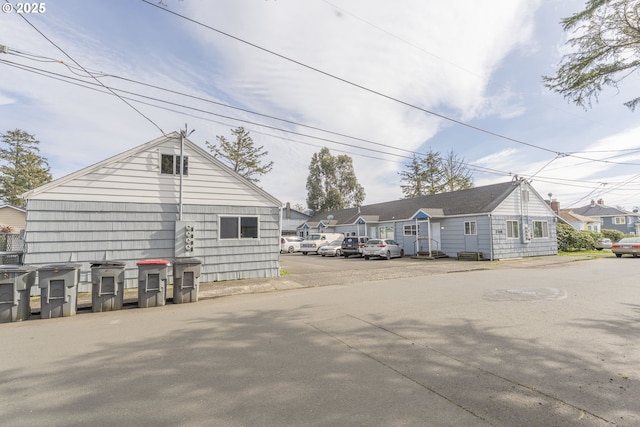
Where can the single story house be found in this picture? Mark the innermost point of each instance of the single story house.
(292, 219)
(136, 205)
(579, 222)
(499, 221)
(12, 218)
(612, 218)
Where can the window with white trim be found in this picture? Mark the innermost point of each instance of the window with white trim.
(513, 230)
(540, 229)
(386, 232)
(239, 227)
(410, 230)
(170, 164)
(618, 220)
(470, 228)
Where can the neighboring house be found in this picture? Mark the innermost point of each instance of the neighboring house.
(499, 221)
(128, 208)
(579, 222)
(611, 218)
(13, 217)
(291, 220)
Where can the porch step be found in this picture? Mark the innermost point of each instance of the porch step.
(470, 256)
(434, 254)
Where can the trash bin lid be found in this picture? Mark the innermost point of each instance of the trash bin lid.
(183, 261)
(60, 267)
(108, 263)
(14, 268)
(153, 262)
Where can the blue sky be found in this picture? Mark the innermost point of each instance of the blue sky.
(479, 63)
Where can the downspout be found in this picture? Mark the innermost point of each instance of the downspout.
(417, 237)
(429, 230)
(490, 237)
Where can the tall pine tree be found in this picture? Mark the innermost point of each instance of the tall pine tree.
(241, 154)
(22, 168)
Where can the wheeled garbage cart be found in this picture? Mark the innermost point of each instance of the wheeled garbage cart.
(107, 292)
(186, 280)
(152, 282)
(15, 289)
(58, 290)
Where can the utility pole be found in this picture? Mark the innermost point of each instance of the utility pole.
(183, 135)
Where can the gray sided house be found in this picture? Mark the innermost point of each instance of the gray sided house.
(612, 218)
(127, 208)
(508, 220)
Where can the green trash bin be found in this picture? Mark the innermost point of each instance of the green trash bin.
(186, 280)
(107, 279)
(152, 282)
(15, 289)
(58, 290)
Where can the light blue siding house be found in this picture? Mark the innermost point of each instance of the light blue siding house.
(499, 221)
(128, 208)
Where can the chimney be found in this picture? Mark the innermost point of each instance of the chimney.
(593, 203)
(288, 211)
(555, 205)
(601, 202)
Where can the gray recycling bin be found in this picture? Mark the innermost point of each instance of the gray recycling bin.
(15, 289)
(58, 290)
(186, 279)
(152, 282)
(107, 292)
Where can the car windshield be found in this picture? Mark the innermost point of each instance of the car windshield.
(336, 243)
(374, 242)
(629, 240)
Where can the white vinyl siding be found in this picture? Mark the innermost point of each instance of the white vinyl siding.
(137, 179)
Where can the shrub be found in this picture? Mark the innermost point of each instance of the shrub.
(614, 235)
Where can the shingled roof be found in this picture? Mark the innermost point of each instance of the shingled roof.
(477, 200)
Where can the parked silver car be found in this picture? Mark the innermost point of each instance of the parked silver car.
(290, 244)
(382, 248)
(332, 249)
(627, 246)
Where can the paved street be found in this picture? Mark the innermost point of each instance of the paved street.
(540, 346)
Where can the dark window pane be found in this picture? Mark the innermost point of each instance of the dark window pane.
(186, 165)
(166, 164)
(249, 227)
(228, 228)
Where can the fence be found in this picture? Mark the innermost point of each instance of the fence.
(11, 248)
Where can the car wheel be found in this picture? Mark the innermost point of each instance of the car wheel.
(291, 249)
(304, 253)
(388, 255)
(338, 252)
(322, 254)
(598, 249)
(401, 253)
(619, 255)
(345, 255)
(366, 257)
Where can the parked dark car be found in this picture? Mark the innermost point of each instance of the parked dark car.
(628, 246)
(353, 245)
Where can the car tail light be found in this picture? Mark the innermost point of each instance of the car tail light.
(382, 246)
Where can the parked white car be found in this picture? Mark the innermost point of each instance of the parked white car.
(290, 244)
(382, 248)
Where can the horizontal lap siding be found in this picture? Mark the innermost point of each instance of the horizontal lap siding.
(82, 232)
(504, 247)
(454, 240)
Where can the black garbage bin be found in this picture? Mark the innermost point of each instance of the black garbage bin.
(15, 288)
(107, 292)
(152, 282)
(58, 290)
(186, 280)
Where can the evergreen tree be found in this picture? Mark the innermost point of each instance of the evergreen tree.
(332, 183)
(432, 175)
(605, 50)
(241, 154)
(22, 168)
